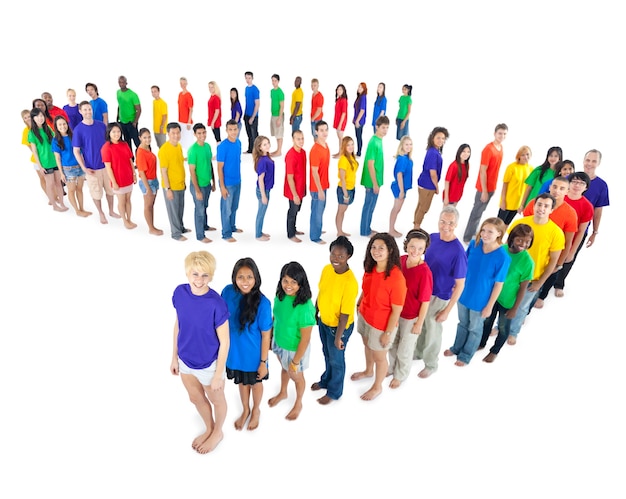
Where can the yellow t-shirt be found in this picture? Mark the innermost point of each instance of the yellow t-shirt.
(297, 96)
(159, 108)
(337, 295)
(548, 238)
(515, 174)
(26, 143)
(350, 168)
(171, 158)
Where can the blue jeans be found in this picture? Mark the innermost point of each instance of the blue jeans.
(522, 312)
(313, 131)
(504, 328)
(317, 213)
(358, 131)
(228, 210)
(175, 209)
(295, 126)
(469, 332)
(335, 359)
(260, 214)
(368, 211)
(200, 206)
(401, 132)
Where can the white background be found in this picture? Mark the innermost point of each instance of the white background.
(89, 406)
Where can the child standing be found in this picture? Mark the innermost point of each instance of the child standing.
(335, 305)
(346, 170)
(403, 181)
(148, 182)
(201, 342)
(250, 326)
(294, 318)
(118, 161)
(264, 168)
(456, 176)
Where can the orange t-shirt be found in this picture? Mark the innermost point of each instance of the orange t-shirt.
(320, 157)
(185, 104)
(379, 294)
(492, 158)
(564, 216)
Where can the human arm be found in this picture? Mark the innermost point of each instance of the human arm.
(495, 292)
(357, 119)
(419, 321)
(597, 216)
(137, 114)
(166, 184)
(280, 113)
(400, 181)
(109, 170)
(255, 111)
(522, 205)
(315, 172)
(81, 161)
(134, 170)
(33, 149)
(217, 382)
(220, 172)
(189, 125)
(341, 327)
(392, 322)
(57, 157)
(569, 238)
(406, 118)
(372, 171)
(212, 178)
(459, 284)
(266, 338)
(446, 193)
(342, 184)
(434, 180)
(105, 117)
(305, 339)
(342, 120)
(292, 186)
(163, 124)
(261, 180)
(512, 312)
(536, 284)
(296, 110)
(194, 181)
(505, 187)
(482, 175)
(582, 228)
(174, 363)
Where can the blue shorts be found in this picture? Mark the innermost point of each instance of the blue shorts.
(340, 198)
(286, 356)
(154, 186)
(73, 172)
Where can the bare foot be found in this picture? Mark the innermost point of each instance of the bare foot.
(559, 293)
(130, 225)
(103, 219)
(206, 240)
(266, 235)
(389, 373)
(186, 230)
(199, 439)
(299, 233)
(239, 231)
(325, 400)
(321, 241)
(211, 228)
(490, 358)
(295, 239)
(156, 232)
(112, 214)
(511, 340)
(371, 394)
(395, 383)
(361, 375)
(315, 387)
(448, 353)
(263, 238)
(254, 420)
(539, 303)
(294, 412)
(395, 233)
(182, 238)
(83, 213)
(231, 240)
(276, 399)
(210, 443)
(240, 422)
(424, 373)
(59, 207)
(342, 233)
(459, 363)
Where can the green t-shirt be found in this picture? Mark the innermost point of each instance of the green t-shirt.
(289, 320)
(127, 102)
(374, 152)
(277, 96)
(535, 182)
(404, 102)
(201, 156)
(521, 269)
(44, 149)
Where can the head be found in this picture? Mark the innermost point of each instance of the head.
(321, 128)
(92, 90)
(214, 89)
(559, 188)
(26, 117)
(491, 231)
(61, 126)
(173, 133)
(520, 238)
(500, 132)
(71, 96)
(145, 137)
(249, 77)
(523, 155)
(155, 91)
(382, 126)
(382, 250)
(553, 157)
(362, 88)
(114, 132)
(347, 147)
(448, 220)
(437, 138)
(246, 277)
(200, 268)
(405, 147)
(234, 95)
(183, 83)
(407, 89)
(37, 118)
(275, 80)
(293, 282)
(380, 90)
(463, 154)
(544, 204)
(341, 250)
(85, 110)
(592, 160)
(578, 183)
(199, 132)
(416, 243)
(315, 85)
(297, 136)
(232, 130)
(47, 97)
(340, 92)
(297, 82)
(565, 168)
(123, 83)
(41, 104)
(261, 147)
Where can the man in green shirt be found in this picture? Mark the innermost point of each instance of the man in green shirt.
(372, 176)
(128, 112)
(277, 121)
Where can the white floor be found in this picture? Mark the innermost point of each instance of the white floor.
(89, 406)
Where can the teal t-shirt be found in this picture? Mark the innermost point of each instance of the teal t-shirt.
(289, 320)
(201, 156)
(374, 152)
(277, 96)
(521, 269)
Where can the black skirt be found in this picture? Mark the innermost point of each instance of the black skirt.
(244, 377)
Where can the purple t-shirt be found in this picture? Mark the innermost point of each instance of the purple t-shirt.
(266, 165)
(447, 262)
(360, 103)
(198, 319)
(432, 161)
(236, 109)
(73, 114)
(90, 139)
(598, 193)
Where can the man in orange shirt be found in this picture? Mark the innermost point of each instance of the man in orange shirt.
(490, 161)
(319, 159)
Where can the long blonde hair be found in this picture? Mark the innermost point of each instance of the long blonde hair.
(400, 151)
(354, 164)
(217, 89)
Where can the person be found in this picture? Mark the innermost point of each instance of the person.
(172, 165)
(251, 112)
(277, 121)
(346, 170)
(419, 284)
(341, 113)
(567, 219)
(100, 108)
(456, 176)
(185, 114)
(373, 175)
(215, 111)
(159, 116)
(202, 177)
(578, 185)
(513, 185)
(490, 161)
(317, 106)
(334, 312)
(294, 318)
(146, 163)
(380, 104)
(128, 112)
(597, 193)
(52, 109)
(295, 183)
(235, 108)
(428, 180)
(404, 111)
(229, 172)
(360, 114)
(487, 266)
(518, 277)
(264, 168)
(87, 141)
(539, 175)
(402, 181)
(297, 99)
(548, 244)
(563, 169)
(250, 329)
(319, 161)
(69, 170)
(71, 109)
(201, 343)
(40, 139)
(447, 261)
(41, 105)
(118, 161)
(27, 126)
(383, 292)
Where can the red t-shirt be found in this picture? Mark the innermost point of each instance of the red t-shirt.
(492, 158)
(295, 164)
(564, 216)
(215, 104)
(119, 155)
(582, 207)
(456, 186)
(379, 294)
(147, 162)
(185, 103)
(317, 101)
(341, 106)
(320, 157)
(419, 283)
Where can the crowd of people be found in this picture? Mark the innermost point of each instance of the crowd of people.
(501, 268)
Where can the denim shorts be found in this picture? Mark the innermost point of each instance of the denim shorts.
(73, 172)
(286, 356)
(340, 198)
(154, 186)
(204, 376)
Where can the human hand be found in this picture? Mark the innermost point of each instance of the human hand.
(174, 368)
(217, 383)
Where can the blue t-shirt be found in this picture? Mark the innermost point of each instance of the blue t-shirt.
(244, 353)
(266, 165)
(404, 166)
(99, 107)
(252, 94)
(198, 320)
(90, 139)
(379, 105)
(67, 153)
(432, 161)
(229, 153)
(447, 262)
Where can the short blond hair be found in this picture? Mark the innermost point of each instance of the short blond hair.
(202, 261)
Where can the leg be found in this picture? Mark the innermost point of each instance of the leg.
(148, 212)
(244, 394)
(425, 198)
(257, 396)
(291, 221)
(218, 400)
(475, 215)
(337, 365)
(369, 360)
(80, 181)
(393, 216)
(474, 334)
(405, 341)
(198, 397)
(380, 367)
(282, 394)
(429, 340)
(341, 211)
(298, 379)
